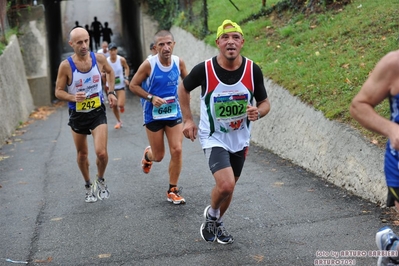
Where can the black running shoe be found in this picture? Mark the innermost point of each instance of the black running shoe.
(208, 228)
(384, 239)
(223, 237)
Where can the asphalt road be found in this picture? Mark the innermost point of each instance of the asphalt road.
(280, 214)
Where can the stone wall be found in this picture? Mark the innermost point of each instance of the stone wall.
(149, 28)
(15, 96)
(34, 49)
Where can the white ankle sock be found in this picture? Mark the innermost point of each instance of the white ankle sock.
(214, 212)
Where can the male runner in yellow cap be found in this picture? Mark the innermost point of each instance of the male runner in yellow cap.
(233, 95)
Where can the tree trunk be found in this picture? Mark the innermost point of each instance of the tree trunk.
(3, 13)
(206, 30)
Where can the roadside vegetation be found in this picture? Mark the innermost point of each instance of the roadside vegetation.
(323, 57)
(6, 37)
(5, 31)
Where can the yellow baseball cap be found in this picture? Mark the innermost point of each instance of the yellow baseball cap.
(227, 22)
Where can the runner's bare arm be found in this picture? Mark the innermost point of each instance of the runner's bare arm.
(189, 127)
(142, 73)
(63, 77)
(126, 69)
(183, 69)
(382, 82)
(105, 67)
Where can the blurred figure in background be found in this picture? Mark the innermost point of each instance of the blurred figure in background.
(121, 69)
(153, 50)
(96, 28)
(90, 37)
(77, 25)
(107, 33)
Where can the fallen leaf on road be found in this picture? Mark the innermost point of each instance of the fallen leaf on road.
(278, 184)
(4, 157)
(48, 260)
(42, 112)
(258, 258)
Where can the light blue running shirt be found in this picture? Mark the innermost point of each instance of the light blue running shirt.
(162, 82)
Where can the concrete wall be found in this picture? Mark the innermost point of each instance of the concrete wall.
(297, 132)
(149, 28)
(15, 97)
(33, 41)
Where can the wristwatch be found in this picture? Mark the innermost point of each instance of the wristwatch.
(258, 115)
(112, 92)
(149, 98)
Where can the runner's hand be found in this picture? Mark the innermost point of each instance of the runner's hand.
(112, 100)
(190, 130)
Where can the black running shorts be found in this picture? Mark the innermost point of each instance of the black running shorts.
(160, 124)
(219, 158)
(393, 194)
(84, 123)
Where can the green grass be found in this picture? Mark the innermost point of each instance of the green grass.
(321, 58)
(4, 40)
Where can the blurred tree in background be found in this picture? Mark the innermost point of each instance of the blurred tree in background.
(3, 16)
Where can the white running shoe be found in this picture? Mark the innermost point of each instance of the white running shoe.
(102, 190)
(90, 197)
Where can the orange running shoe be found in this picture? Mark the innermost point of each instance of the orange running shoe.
(174, 196)
(122, 109)
(118, 125)
(146, 165)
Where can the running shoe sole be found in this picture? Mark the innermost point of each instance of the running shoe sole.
(231, 240)
(176, 202)
(92, 199)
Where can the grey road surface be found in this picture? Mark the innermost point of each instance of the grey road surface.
(280, 214)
